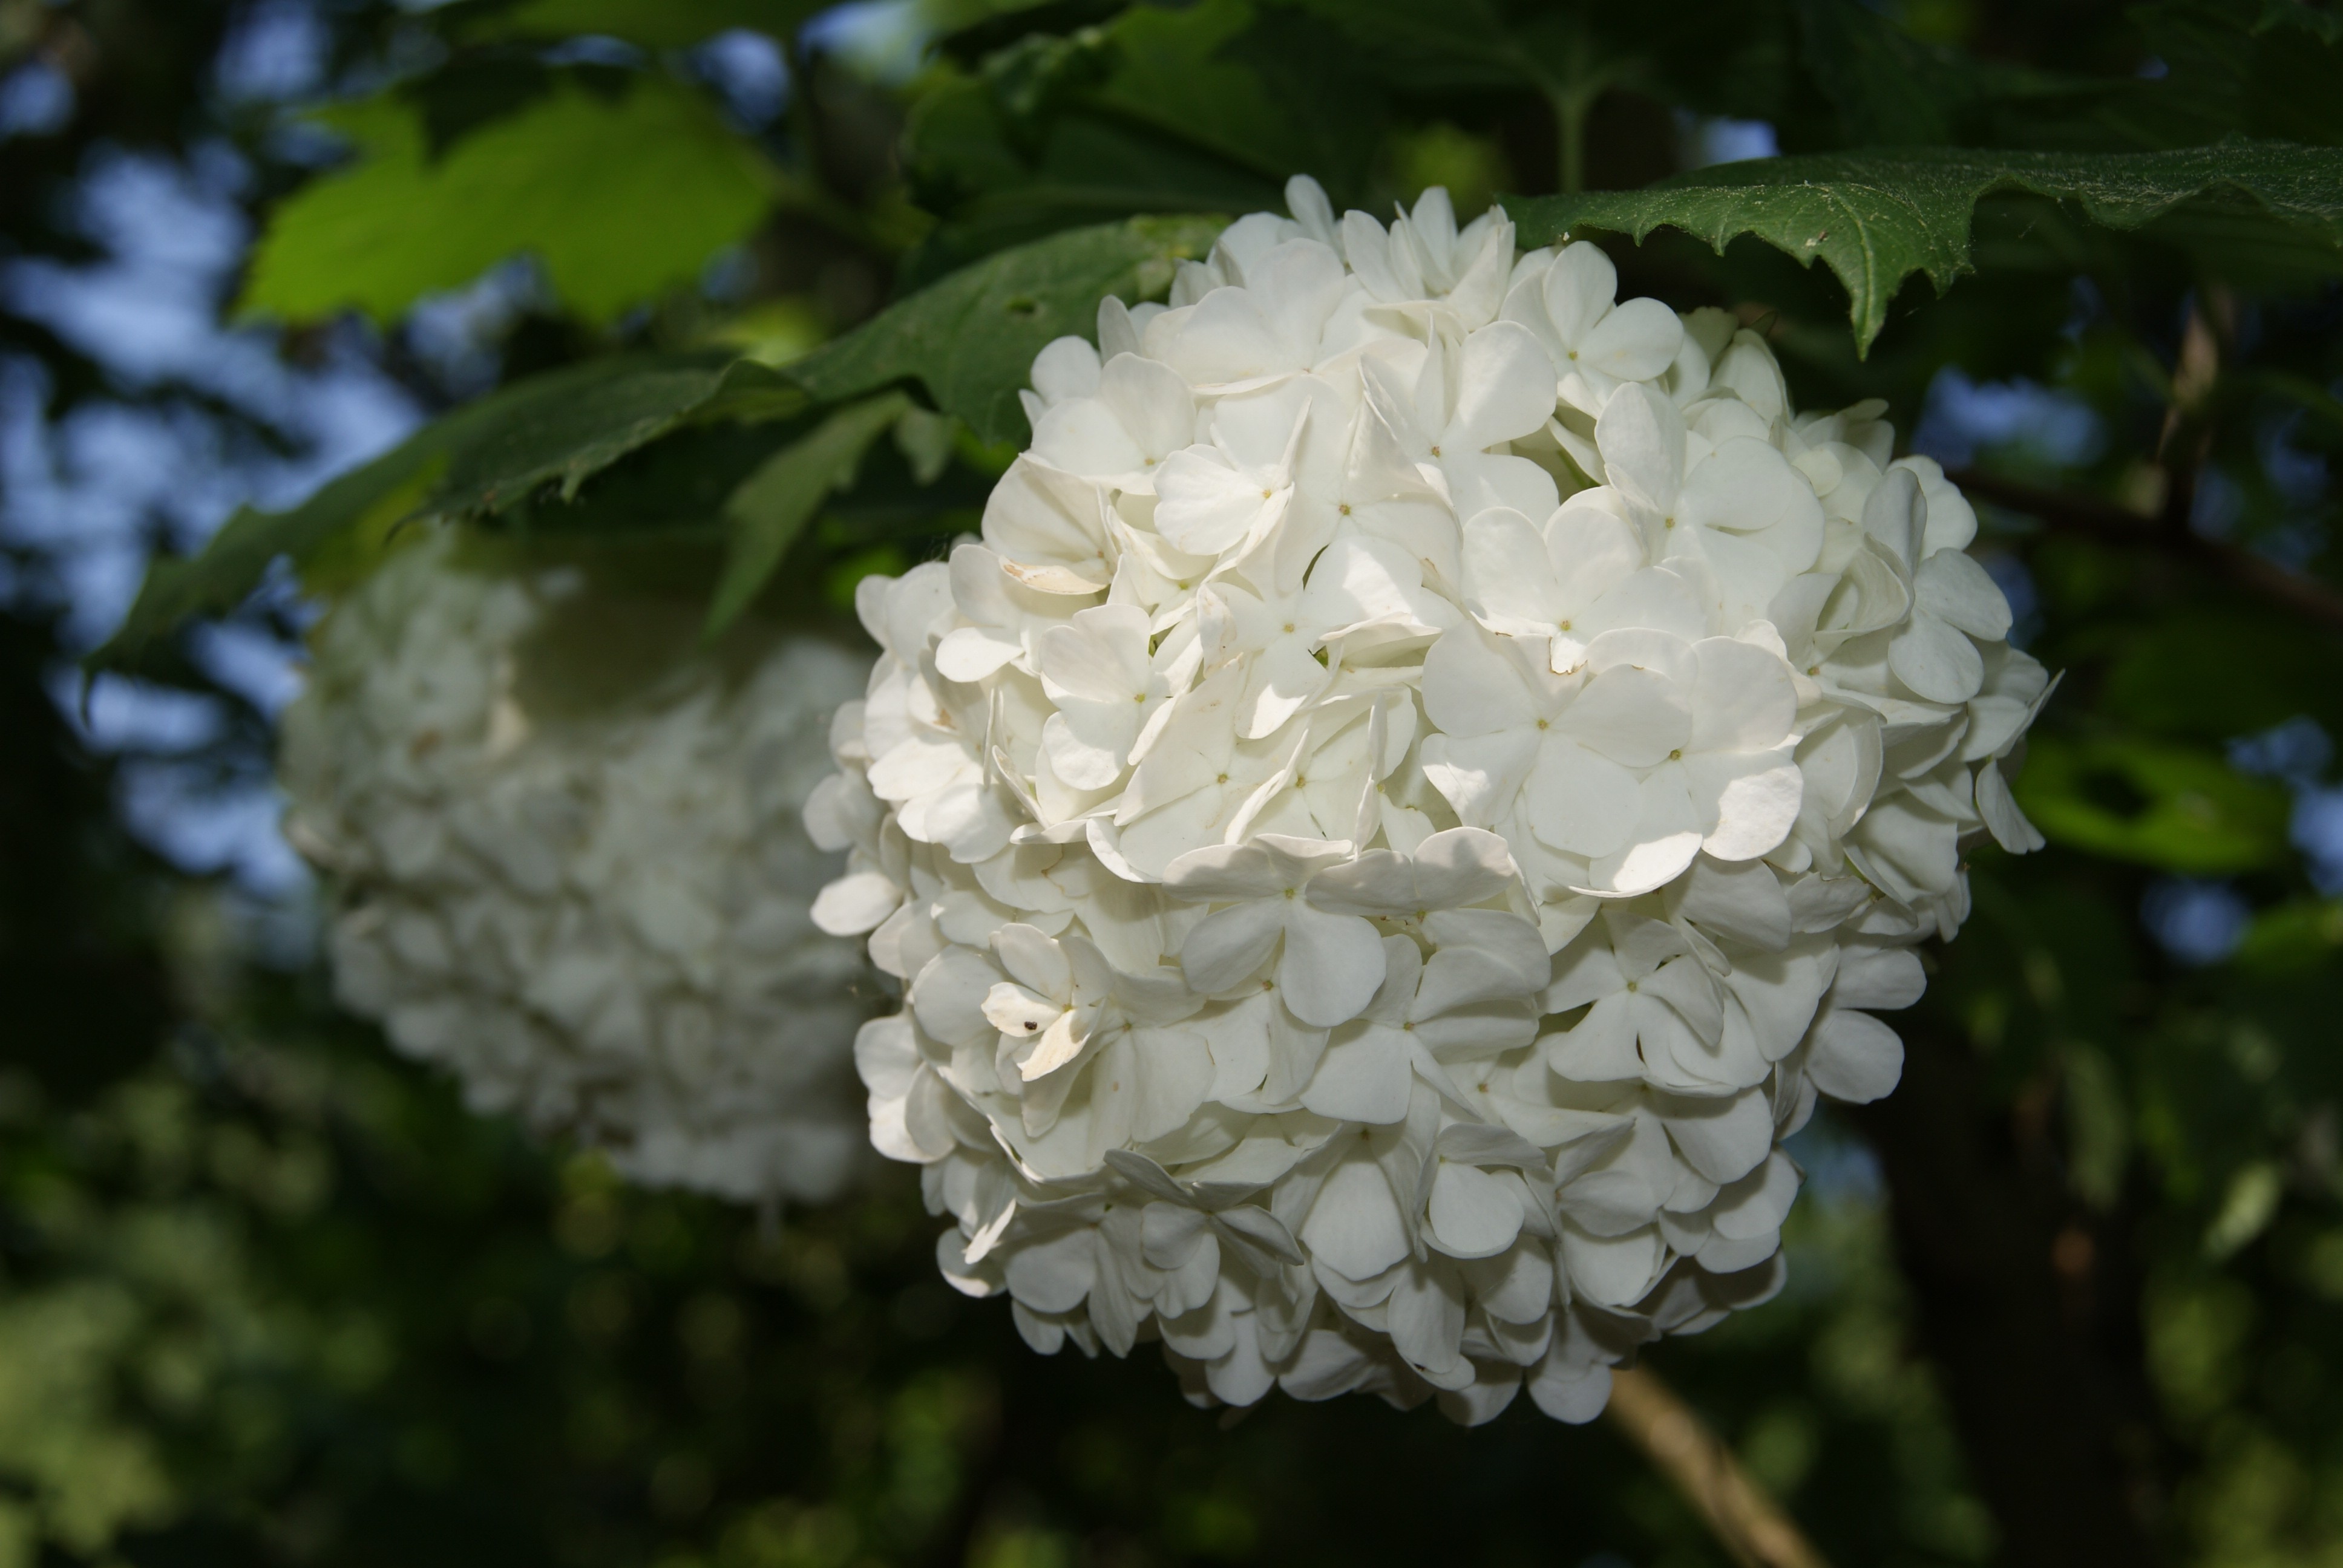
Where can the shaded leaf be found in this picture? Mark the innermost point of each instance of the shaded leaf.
(620, 197)
(971, 338)
(1874, 218)
(2167, 806)
(772, 505)
(1268, 90)
(2263, 67)
(372, 498)
(2236, 673)
(561, 427)
(1890, 88)
(651, 24)
(1206, 108)
(554, 430)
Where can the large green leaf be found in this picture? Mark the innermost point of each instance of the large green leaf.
(620, 196)
(971, 338)
(966, 163)
(1203, 109)
(652, 24)
(1268, 90)
(2263, 67)
(2169, 805)
(1874, 218)
(550, 432)
(1892, 89)
(1711, 57)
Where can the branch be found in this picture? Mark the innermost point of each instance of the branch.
(2087, 517)
(1750, 1525)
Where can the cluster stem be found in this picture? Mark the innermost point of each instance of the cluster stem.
(1753, 1528)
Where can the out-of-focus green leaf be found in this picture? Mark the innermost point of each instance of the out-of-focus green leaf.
(1892, 89)
(2262, 68)
(1205, 108)
(554, 430)
(2098, 1124)
(1262, 87)
(1874, 218)
(652, 24)
(772, 505)
(2292, 937)
(971, 338)
(2168, 806)
(620, 197)
(2247, 1209)
(2237, 672)
(964, 161)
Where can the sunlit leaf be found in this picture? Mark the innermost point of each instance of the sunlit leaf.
(618, 197)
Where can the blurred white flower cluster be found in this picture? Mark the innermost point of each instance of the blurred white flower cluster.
(1429, 773)
(568, 866)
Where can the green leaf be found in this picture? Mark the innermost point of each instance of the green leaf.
(2239, 671)
(1890, 88)
(2168, 806)
(620, 197)
(558, 428)
(1708, 57)
(996, 183)
(651, 24)
(971, 338)
(2291, 938)
(2263, 67)
(1874, 218)
(553, 430)
(371, 499)
(1209, 107)
(774, 503)
(1268, 90)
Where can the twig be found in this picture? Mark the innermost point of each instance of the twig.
(1750, 1525)
(2087, 517)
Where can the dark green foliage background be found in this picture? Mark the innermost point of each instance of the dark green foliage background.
(269, 1294)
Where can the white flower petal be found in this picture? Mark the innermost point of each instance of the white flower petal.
(1354, 1228)
(1362, 1078)
(1505, 388)
(1231, 944)
(1854, 1057)
(1473, 1213)
(1333, 964)
(1636, 342)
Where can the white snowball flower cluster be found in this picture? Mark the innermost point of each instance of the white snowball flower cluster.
(571, 866)
(1427, 775)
